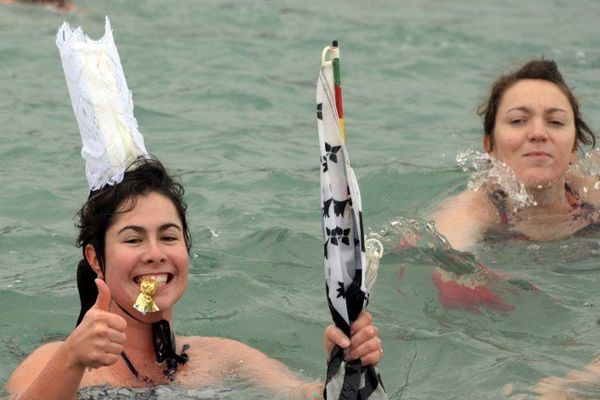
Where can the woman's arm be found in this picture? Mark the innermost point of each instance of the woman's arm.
(271, 375)
(464, 218)
(48, 373)
(266, 373)
(54, 371)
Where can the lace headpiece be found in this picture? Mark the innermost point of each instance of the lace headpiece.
(102, 103)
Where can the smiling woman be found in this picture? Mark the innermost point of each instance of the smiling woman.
(148, 244)
(133, 232)
(533, 129)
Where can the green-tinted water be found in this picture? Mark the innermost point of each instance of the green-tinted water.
(224, 94)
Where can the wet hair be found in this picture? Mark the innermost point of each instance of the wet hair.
(546, 70)
(145, 176)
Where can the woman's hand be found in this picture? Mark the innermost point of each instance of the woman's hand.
(364, 343)
(98, 341)
(310, 391)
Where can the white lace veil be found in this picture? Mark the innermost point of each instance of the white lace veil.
(102, 103)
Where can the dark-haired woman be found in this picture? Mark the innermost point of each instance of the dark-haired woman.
(133, 230)
(534, 128)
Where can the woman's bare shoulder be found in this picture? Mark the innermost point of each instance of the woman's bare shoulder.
(32, 366)
(463, 218)
(219, 346)
(474, 203)
(220, 349)
(212, 359)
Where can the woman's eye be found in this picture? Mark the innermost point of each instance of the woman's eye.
(170, 238)
(556, 122)
(133, 240)
(517, 121)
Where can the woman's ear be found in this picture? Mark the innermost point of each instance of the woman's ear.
(93, 260)
(574, 154)
(487, 143)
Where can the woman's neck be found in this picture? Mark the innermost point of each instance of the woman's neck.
(549, 197)
(139, 342)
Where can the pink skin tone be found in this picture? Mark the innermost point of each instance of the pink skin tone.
(534, 133)
(148, 240)
(364, 342)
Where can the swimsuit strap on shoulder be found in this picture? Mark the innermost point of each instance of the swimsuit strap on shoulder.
(498, 198)
(575, 201)
(134, 371)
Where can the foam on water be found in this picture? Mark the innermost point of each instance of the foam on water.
(160, 392)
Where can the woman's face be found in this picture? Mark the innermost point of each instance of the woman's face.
(534, 132)
(148, 240)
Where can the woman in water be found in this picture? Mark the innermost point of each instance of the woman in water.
(138, 229)
(533, 129)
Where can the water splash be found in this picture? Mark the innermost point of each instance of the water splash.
(402, 233)
(489, 172)
(159, 392)
(589, 164)
(462, 281)
(472, 160)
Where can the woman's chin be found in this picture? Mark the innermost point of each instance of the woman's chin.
(150, 317)
(538, 182)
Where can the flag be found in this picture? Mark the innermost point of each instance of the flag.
(344, 245)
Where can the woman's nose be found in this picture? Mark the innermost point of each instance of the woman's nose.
(538, 131)
(154, 252)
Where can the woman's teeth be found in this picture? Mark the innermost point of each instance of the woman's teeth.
(160, 278)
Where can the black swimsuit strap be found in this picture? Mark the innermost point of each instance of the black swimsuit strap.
(139, 377)
(165, 349)
(130, 365)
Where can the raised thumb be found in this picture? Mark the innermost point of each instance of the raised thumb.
(103, 300)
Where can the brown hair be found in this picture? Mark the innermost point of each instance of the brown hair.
(145, 176)
(546, 70)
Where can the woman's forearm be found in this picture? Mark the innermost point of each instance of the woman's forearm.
(58, 380)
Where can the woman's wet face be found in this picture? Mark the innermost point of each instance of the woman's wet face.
(534, 132)
(147, 240)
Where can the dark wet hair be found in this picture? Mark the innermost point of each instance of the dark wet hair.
(546, 70)
(145, 176)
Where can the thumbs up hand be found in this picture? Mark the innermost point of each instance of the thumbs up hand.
(99, 339)
(103, 299)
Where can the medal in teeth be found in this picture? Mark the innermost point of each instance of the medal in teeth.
(148, 287)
